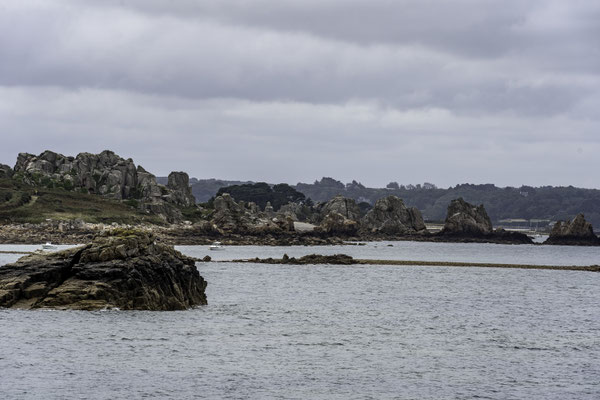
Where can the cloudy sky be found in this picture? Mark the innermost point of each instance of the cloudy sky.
(444, 91)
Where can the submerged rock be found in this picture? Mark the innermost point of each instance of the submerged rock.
(578, 232)
(123, 269)
(336, 259)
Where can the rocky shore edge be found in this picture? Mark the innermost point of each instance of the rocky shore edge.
(235, 224)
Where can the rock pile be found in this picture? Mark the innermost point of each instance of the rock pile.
(578, 232)
(466, 219)
(390, 216)
(108, 175)
(468, 223)
(5, 171)
(122, 269)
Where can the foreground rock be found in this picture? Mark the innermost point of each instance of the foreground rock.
(578, 232)
(123, 269)
(337, 259)
(468, 223)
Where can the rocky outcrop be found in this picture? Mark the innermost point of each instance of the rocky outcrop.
(343, 206)
(466, 219)
(246, 218)
(390, 216)
(123, 269)
(5, 171)
(180, 191)
(468, 223)
(108, 175)
(335, 224)
(577, 232)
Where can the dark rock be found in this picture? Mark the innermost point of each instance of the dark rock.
(5, 171)
(128, 270)
(343, 206)
(578, 232)
(337, 259)
(180, 191)
(468, 223)
(466, 219)
(390, 216)
(335, 224)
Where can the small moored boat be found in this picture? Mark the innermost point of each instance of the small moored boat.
(216, 246)
(49, 246)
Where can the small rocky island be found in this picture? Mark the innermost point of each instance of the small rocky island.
(577, 232)
(122, 269)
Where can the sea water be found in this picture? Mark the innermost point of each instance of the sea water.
(330, 332)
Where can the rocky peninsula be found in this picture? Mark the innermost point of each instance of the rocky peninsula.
(127, 270)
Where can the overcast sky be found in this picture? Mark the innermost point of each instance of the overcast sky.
(444, 91)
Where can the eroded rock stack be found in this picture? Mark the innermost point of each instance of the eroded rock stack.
(466, 219)
(122, 269)
(577, 232)
(470, 223)
(390, 216)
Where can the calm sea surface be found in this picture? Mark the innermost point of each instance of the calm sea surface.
(330, 332)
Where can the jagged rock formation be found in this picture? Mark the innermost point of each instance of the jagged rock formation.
(390, 216)
(341, 205)
(466, 222)
(5, 171)
(335, 224)
(108, 175)
(578, 232)
(242, 218)
(125, 269)
(466, 219)
(180, 191)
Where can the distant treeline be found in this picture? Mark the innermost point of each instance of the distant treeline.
(526, 202)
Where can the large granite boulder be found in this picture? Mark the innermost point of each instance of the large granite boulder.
(341, 205)
(466, 219)
(180, 191)
(336, 224)
(577, 232)
(5, 171)
(390, 216)
(246, 218)
(127, 270)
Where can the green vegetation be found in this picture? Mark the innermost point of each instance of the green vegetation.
(552, 203)
(20, 203)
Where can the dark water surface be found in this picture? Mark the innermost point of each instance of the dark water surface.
(341, 332)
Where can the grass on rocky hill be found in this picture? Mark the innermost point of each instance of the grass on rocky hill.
(20, 203)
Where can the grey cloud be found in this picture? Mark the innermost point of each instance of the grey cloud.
(353, 89)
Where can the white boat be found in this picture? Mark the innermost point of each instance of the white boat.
(216, 246)
(49, 246)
